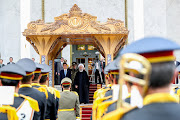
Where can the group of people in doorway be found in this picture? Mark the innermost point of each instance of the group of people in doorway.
(78, 75)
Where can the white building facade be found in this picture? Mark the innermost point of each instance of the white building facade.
(145, 18)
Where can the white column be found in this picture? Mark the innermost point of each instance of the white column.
(138, 19)
(173, 22)
(10, 29)
(155, 18)
(25, 19)
(66, 54)
(130, 12)
(35, 14)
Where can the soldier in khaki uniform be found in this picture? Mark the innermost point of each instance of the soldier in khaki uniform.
(68, 103)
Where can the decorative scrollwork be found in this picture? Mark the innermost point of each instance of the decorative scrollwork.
(76, 22)
(38, 21)
(98, 26)
(118, 24)
(54, 26)
(75, 11)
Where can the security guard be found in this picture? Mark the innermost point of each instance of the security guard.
(11, 75)
(51, 111)
(159, 104)
(26, 89)
(69, 108)
(74, 70)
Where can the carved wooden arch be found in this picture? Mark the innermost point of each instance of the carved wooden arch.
(46, 38)
(99, 47)
(76, 27)
(33, 45)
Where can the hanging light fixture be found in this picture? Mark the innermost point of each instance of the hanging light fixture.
(85, 54)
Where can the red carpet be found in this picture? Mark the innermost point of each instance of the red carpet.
(86, 113)
(92, 89)
(87, 110)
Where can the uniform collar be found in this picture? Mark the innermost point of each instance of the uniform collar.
(43, 85)
(66, 90)
(35, 84)
(25, 85)
(16, 95)
(160, 98)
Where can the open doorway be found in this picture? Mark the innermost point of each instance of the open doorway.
(84, 54)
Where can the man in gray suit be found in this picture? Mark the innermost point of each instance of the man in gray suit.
(97, 69)
(58, 70)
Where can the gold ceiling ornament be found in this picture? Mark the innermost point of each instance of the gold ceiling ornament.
(75, 22)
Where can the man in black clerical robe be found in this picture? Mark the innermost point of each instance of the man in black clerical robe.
(82, 84)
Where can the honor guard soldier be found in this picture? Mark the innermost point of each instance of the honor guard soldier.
(110, 104)
(51, 111)
(37, 76)
(26, 89)
(56, 94)
(69, 108)
(159, 104)
(99, 95)
(35, 82)
(11, 75)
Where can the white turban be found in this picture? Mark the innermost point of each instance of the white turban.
(80, 65)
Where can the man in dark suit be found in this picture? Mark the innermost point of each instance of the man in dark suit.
(10, 61)
(1, 63)
(58, 68)
(102, 67)
(65, 72)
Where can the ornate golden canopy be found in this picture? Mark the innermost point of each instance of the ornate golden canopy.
(75, 27)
